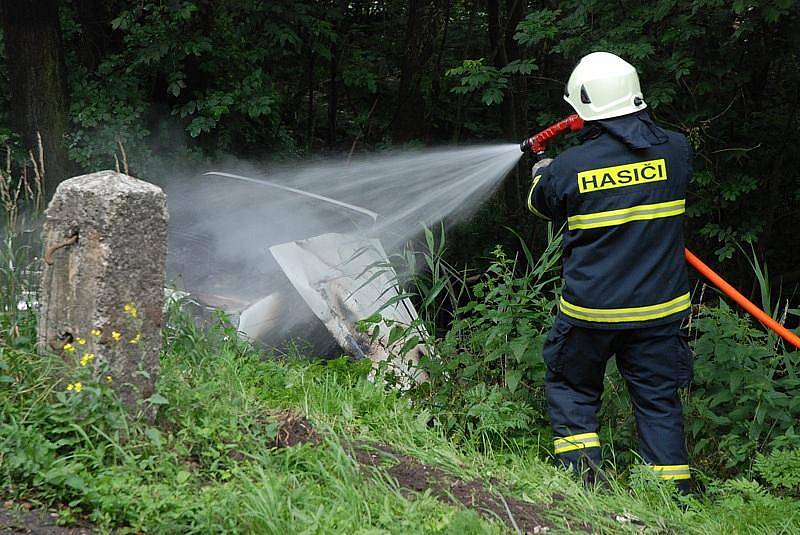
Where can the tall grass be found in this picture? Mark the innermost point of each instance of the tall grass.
(770, 297)
(22, 202)
(208, 465)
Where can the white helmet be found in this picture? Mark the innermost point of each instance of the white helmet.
(602, 86)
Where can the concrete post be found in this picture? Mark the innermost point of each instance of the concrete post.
(105, 242)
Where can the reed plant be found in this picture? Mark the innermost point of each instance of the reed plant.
(22, 203)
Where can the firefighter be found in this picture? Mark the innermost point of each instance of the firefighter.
(620, 197)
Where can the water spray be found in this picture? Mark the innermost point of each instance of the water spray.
(536, 144)
(358, 209)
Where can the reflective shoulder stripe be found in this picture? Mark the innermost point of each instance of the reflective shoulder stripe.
(530, 199)
(620, 315)
(576, 442)
(672, 471)
(640, 212)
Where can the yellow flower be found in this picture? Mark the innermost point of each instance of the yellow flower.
(130, 309)
(96, 332)
(108, 379)
(81, 341)
(76, 387)
(69, 347)
(70, 386)
(116, 336)
(136, 338)
(87, 358)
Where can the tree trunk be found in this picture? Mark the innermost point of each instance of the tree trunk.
(95, 32)
(423, 26)
(333, 86)
(505, 50)
(438, 110)
(407, 117)
(516, 91)
(499, 40)
(311, 113)
(37, 73)
(333, 96)
(460, 100)
(515, 113)
(496, 44)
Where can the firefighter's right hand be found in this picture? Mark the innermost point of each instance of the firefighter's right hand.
(541, 164)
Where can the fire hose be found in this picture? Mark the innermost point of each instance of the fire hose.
(536, 144)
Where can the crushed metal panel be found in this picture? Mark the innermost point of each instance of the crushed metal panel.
(262, 317)
(282, 317)
(339, 277)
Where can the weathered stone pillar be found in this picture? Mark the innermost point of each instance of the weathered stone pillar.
(105, 242)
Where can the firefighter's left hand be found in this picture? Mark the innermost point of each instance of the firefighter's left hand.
(541, 164)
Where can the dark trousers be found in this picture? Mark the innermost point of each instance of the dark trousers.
(654, 361)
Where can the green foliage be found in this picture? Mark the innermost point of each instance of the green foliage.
(103, 120)
(743, 399)
(272, 80)
(492, 82)
(538, 26)
(207, 464)
(485, 372)
(215, 71)
(474, 76)
(780, 469)
(751, 504)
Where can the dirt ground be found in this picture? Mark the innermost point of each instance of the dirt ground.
(22, 517)
(295, 429)
(412, 475)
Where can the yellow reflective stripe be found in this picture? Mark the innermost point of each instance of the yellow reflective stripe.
(576, 442)
(530, 199)
(640, 212)
(619, 315)
(672, 471)
(625, 211)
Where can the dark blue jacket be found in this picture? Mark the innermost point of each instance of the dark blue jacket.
(621, 197)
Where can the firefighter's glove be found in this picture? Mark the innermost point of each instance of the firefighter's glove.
(541, 164)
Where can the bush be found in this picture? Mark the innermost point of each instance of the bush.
(486, 372)
(486, 375)
(743, 398)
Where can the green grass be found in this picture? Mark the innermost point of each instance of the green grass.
(207, 464)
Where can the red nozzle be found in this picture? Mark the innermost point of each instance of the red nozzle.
(536, 143)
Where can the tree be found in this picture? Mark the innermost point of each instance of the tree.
(424, 23)
(37, 74)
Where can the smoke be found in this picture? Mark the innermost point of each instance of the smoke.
(221, 228)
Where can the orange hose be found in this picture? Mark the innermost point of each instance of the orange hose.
(742, 301)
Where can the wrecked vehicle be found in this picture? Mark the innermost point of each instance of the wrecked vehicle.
(289, 282)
